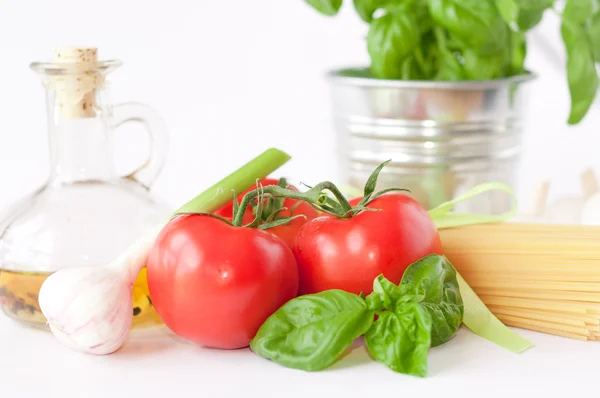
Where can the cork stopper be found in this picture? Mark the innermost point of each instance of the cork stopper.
(83, 56)
(76, 90)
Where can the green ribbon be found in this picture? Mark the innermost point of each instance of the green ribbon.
(480, 320)
(477, 317)
(445, 218)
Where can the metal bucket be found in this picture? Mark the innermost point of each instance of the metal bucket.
(443, 138)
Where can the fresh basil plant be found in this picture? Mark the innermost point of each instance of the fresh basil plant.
(399, 323)
(456, 40)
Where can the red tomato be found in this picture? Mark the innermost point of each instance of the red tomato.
(288, 231)
(215, 284)
(349, 254)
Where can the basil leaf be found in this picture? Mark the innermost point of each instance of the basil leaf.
(434, 278)
(531, 12)
(391, 38)
(424, 21)
(366, 8)
(594, 34)
(386, 295)
(578, 10)
(430, 54)
(388, 291)
(310, 332)
(410, 69)
(326, 7)
(481, 68)
(518, 51)
(401, 338)
(581, 70)
(476, 22)
(449, 68)
(509, 10)
(375, 302)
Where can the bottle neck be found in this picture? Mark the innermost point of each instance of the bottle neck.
(80, 143)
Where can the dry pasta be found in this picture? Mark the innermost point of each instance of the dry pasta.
(540, 277)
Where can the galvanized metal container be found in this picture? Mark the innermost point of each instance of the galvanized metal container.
(443, 138)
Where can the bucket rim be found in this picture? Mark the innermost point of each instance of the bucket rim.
(350, 76)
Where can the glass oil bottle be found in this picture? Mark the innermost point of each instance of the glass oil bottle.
(85, 214)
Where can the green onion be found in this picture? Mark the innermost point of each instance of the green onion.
(238, 181)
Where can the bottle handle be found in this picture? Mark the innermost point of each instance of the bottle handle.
(147, 173)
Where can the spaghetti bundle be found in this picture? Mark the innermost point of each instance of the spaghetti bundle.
(539, 277)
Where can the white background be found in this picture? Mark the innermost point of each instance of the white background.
(155, 364)
(231, 78)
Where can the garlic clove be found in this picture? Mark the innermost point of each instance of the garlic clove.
(590, 214)
(565, 210)
(88, 309)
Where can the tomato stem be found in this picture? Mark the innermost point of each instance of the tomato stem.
(314, 196)
(272, 207)
(272, 190)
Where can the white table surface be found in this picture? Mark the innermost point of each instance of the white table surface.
(156, 364)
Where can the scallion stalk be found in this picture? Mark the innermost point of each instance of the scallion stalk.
(238, 181)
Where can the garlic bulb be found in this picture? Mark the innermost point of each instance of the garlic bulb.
(581, 208)
(90, 309)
